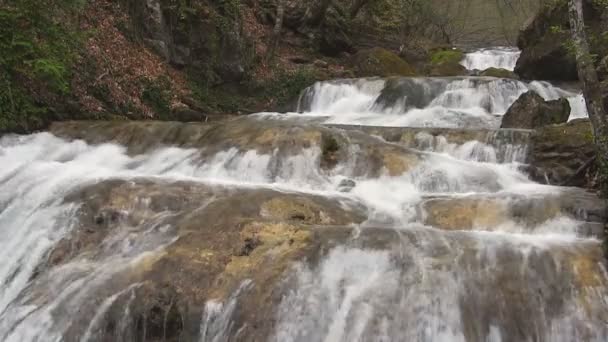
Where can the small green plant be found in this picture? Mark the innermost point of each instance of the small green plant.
(286, 86)
(157, 94)
(556, 29)
(36, 49)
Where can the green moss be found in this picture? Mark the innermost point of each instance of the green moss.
(499, 73)
(381, 62)
(446, 62)
(574, 133)
(447, 56)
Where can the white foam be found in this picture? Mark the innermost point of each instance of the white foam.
(498, 57)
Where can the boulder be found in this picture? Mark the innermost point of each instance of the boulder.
(406, 92)
(447, 69)
(381, 62)
(498, 73)
(446, 62)
(559, 151)
(545, 55)
(532, 111)
(201, 36)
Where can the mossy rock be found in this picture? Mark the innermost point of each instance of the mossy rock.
(447, 56)
(498, 73)
(448, 69)
(447, 63)
(381, 62)
(558, 151)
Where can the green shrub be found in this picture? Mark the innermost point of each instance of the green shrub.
(286, 86)
(35, 49)
(157, 94)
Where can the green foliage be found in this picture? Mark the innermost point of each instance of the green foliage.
(157, 94)
(286, 86)
(556, 29)
(35, 48)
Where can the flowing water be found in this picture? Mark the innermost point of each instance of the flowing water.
(498, 57)
(508, 266)
(473, 102)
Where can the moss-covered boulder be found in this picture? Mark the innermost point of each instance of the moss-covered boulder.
(559, 151)
(532, 111)
(544, 42)
(407, 92)
(447, 63)
(208, 37)
(381, 62)
(498, 73)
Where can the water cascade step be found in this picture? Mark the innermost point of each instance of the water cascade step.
(382, 210)
(496, 57)
(473, 102)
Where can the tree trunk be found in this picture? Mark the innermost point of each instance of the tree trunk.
(315, 13)
(356, 7)
(303, 15)
(591, 89)
(276, 31)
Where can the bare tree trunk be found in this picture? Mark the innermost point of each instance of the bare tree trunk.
(591, 88)
(302, 15)
(315, 13)
(356, 7)
(276, 31)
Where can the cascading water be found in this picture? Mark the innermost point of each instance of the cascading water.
(457, 244)
(498, 57)
(424, 102)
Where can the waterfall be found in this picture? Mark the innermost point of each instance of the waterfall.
(498, 57)
(476, 102)
(426, 231)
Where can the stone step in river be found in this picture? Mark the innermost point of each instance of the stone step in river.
(348, 220)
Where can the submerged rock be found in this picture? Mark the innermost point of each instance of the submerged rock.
(532, 111)
(346, 185)
(405, 93)
(281, 142)
(196, 244)
(516, 212)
